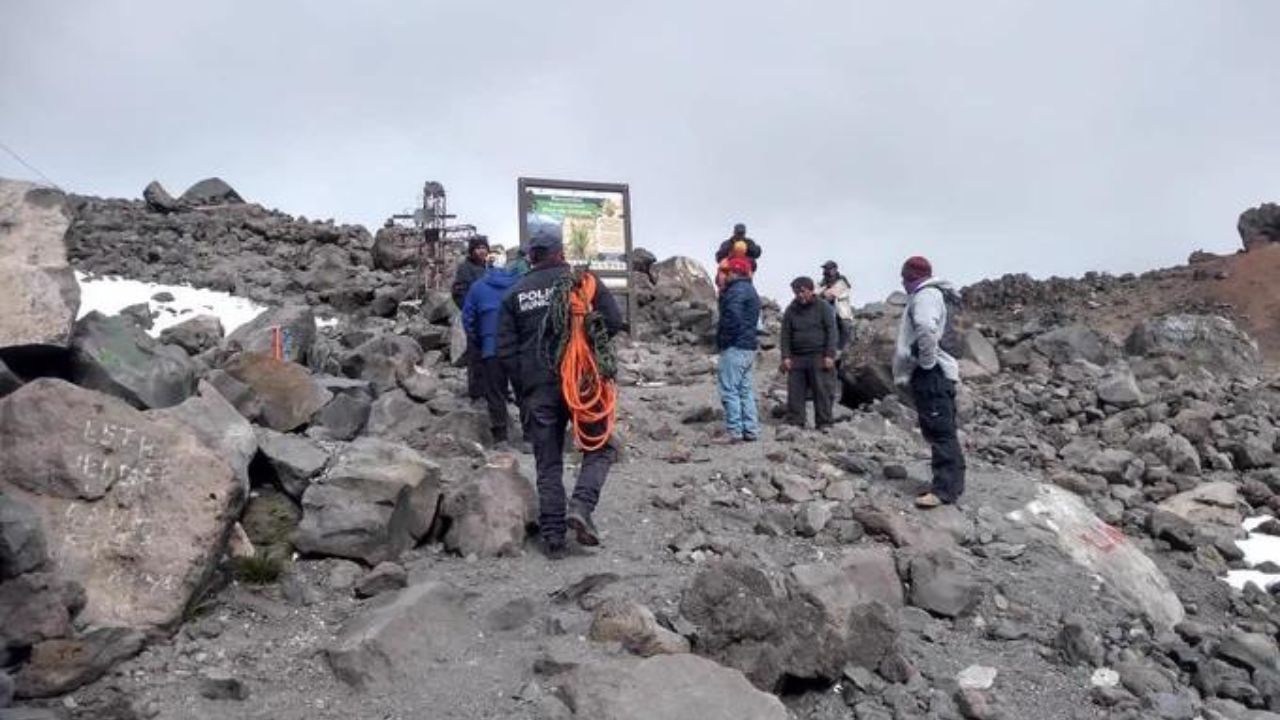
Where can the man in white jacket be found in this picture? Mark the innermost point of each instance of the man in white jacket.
(931, 372)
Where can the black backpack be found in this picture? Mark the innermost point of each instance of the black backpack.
(951, 341)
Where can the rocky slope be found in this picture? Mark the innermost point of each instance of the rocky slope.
(191, 528)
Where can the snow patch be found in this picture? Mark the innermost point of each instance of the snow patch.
(1257, 548)
(110, 295)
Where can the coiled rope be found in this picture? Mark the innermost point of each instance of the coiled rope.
(585, 359)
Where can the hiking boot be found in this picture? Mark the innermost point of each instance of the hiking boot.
(750, 437)
(580, 522)
(556, 549)
(928, 501)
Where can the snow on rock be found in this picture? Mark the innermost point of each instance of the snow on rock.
(1257, 548)
(110, 295)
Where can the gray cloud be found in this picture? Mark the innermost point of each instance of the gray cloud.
(994, 137)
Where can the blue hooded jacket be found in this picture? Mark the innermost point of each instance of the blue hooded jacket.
(480, 309)
(739, 315)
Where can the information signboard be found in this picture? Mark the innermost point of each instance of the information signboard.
(593, 220)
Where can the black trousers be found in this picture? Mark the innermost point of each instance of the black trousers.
(547, 419)
(475, 372)
(845, 333)
(935, 398)
(807, 377)
(495, 395)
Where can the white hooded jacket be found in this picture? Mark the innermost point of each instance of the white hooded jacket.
(923, 321)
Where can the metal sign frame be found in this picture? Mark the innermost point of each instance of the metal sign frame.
(621, 279)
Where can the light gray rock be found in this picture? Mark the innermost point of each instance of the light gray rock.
(667, 687)
(343, 417)
(295, 460)
(37, 287)
(297, 322)
(1120, 388)
(383, 361)
(1207, 341)
(386, 577)
(490, 513)
(217, 424)
(376, 500)
(941, 584)
(1075, 342)
(140, 508)
(200, 333)
(401, 637)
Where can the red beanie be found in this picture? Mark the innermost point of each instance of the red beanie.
(739, 266)
(916, 269)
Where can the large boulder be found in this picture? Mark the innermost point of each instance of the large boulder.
(159, 199)
(375, 501)
(218, 425)
(342, 418)
(943, 585)
(1104, 551)
(1259, 226)
(211, 191)
(394, 416)
(866, 364)
(1075, 342)
(298, 327)
(1207, 341)
(117, 357)
(38, 290)
(396, 247)
(200, 333)
(293, 460)
(666, 687)
(135, 510)
(861, 576)
(383, 361)
(402, 636)
(682, 278)
(1212, 507)
(775, 631)
(288, 393)
(488, 514)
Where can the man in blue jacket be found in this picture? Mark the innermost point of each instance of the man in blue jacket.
(480, 311)
(736, 338)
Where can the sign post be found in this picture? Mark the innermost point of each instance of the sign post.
(594, 221)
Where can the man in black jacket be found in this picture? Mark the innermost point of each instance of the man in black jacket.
(471, 269)
(809, 335)
(526, 350)
(739, 235)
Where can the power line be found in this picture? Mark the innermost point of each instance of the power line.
(29, 166)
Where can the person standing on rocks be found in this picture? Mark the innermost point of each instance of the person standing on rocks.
(480, 319)
(471, 269)
(527, 346)
(922, 362)
(753, 250)
(809, 336)
(836, 290)
(736, 339)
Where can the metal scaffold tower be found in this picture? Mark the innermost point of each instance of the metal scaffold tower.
(437, 239)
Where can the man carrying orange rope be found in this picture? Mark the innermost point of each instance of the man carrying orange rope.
(548, 343)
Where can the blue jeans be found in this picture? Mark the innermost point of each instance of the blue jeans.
(737, 391)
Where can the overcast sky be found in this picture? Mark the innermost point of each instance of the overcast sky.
(992, 137)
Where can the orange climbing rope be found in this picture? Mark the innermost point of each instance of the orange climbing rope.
(591, 397)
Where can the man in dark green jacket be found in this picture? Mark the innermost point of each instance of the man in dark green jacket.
(809, 335)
